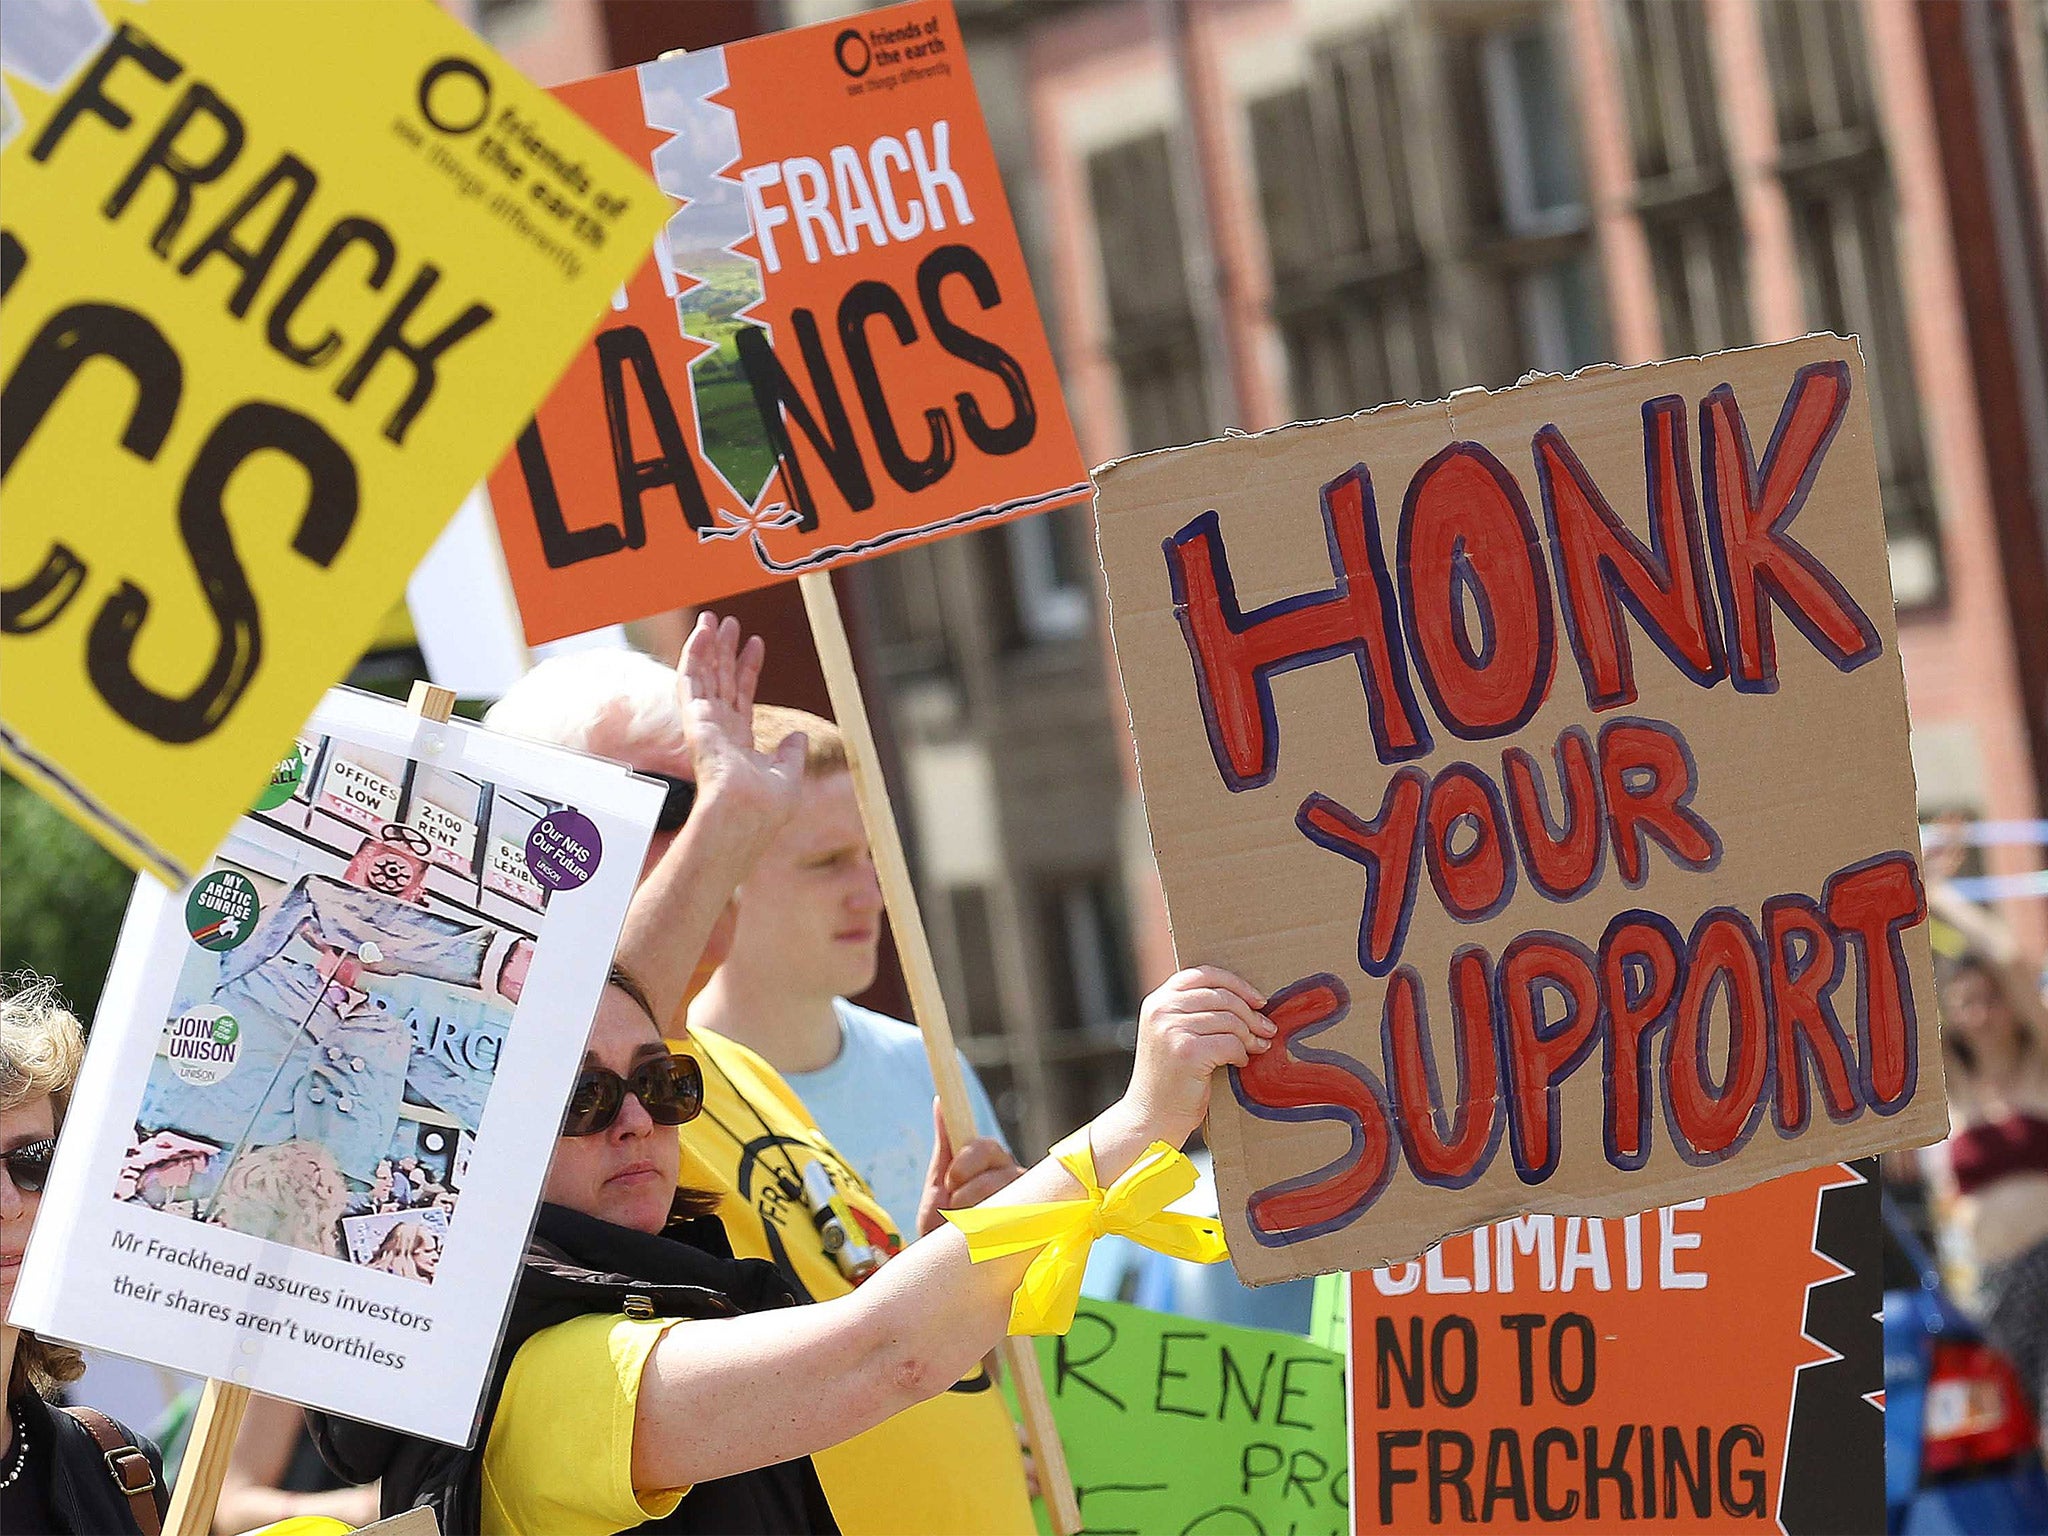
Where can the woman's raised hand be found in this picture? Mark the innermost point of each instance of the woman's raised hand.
(1201, 1021)
(715, 686)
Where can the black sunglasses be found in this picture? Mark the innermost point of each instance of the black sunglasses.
(669, 1088)
(29, 1166)
(675, 806)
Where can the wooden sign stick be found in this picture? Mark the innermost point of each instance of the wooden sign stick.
(913, 948)
(218, 1418)
(215, 1423)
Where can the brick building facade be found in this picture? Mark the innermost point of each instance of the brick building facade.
(1243, 212)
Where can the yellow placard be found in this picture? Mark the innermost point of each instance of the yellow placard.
(280, 283)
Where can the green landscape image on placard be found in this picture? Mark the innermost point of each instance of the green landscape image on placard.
(730, 425)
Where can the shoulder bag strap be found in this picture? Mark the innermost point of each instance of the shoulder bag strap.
(126, 1465)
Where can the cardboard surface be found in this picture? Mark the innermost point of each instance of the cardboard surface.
(1701, 1368)
(241, 400)
(835, 351)
(1182, 1424)
(302, 1154)
(1578, 854)
(411, 1522)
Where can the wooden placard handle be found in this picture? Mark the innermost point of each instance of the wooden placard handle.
(430, 701)
(218, 1419)
(215, 1424)
(913, 948)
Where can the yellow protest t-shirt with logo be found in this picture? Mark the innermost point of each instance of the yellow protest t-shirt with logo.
(949, 1465)
(542, 1480)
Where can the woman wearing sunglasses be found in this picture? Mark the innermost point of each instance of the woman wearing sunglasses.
(649, 1380)
(60, 1470)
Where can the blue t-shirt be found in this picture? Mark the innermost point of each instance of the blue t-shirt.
(874, 1104)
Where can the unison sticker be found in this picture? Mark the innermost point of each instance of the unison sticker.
(202, 1045)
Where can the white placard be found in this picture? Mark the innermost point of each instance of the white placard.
(302, 1153)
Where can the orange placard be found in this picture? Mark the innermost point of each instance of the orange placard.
(1711, 1366)
(834, 352)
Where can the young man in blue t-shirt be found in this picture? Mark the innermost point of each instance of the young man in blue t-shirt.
(810, 919)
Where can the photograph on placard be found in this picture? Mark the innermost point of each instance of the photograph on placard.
(354, 966)
(308, 1122)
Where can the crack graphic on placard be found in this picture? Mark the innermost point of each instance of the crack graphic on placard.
(715, 285)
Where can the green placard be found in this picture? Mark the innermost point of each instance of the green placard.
(1178, 1427)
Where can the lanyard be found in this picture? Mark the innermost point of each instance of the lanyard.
(814, 1189)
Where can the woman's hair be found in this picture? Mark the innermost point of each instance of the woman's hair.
(292, 1192)
(688, 1202)
(41, 1047)
(1949, 969)
(399, 1253)
(618, 976)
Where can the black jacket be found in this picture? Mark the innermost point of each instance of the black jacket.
(575, 1266)
(81, 1491)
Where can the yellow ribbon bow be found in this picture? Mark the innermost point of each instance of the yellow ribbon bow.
(1062, 1231)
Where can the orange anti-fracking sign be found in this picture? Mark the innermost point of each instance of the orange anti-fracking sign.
(1711, 1366)
(834, 351)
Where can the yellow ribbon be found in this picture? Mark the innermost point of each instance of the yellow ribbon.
(1062, 1231)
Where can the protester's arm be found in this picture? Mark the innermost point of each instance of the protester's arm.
(743, 799)
(722, 1397)
(249, 1493)
(956, 1180)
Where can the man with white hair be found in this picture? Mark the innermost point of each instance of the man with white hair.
(785, 1193)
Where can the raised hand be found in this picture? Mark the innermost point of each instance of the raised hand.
(958, 1179)
(1201, 1021)
(715, 685)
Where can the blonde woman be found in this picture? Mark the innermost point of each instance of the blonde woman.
(1994, 1164)
(411, 1250)
(291, 1193)
(58, 1468)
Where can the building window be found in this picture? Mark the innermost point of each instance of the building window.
(1820, 77)
(1154, 336)
(1529, 219)
(967, 953)
(1532, 130)
(1668, 76)
(1696, 261)
(501, 22)
(1848, 269)
(1683, 190)
(905, 612)
(1832, 164)
(1350, 288)
(1007, 1100)
(1040, 569)
(1089, 952)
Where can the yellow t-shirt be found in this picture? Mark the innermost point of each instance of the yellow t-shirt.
(948, 1465)
(559, 1460)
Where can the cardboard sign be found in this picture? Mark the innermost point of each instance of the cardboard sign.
(278, 288)
(1557, 795)
(1704, 1368)
(834, 352)
(1180, 1424)
(301, 1156)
